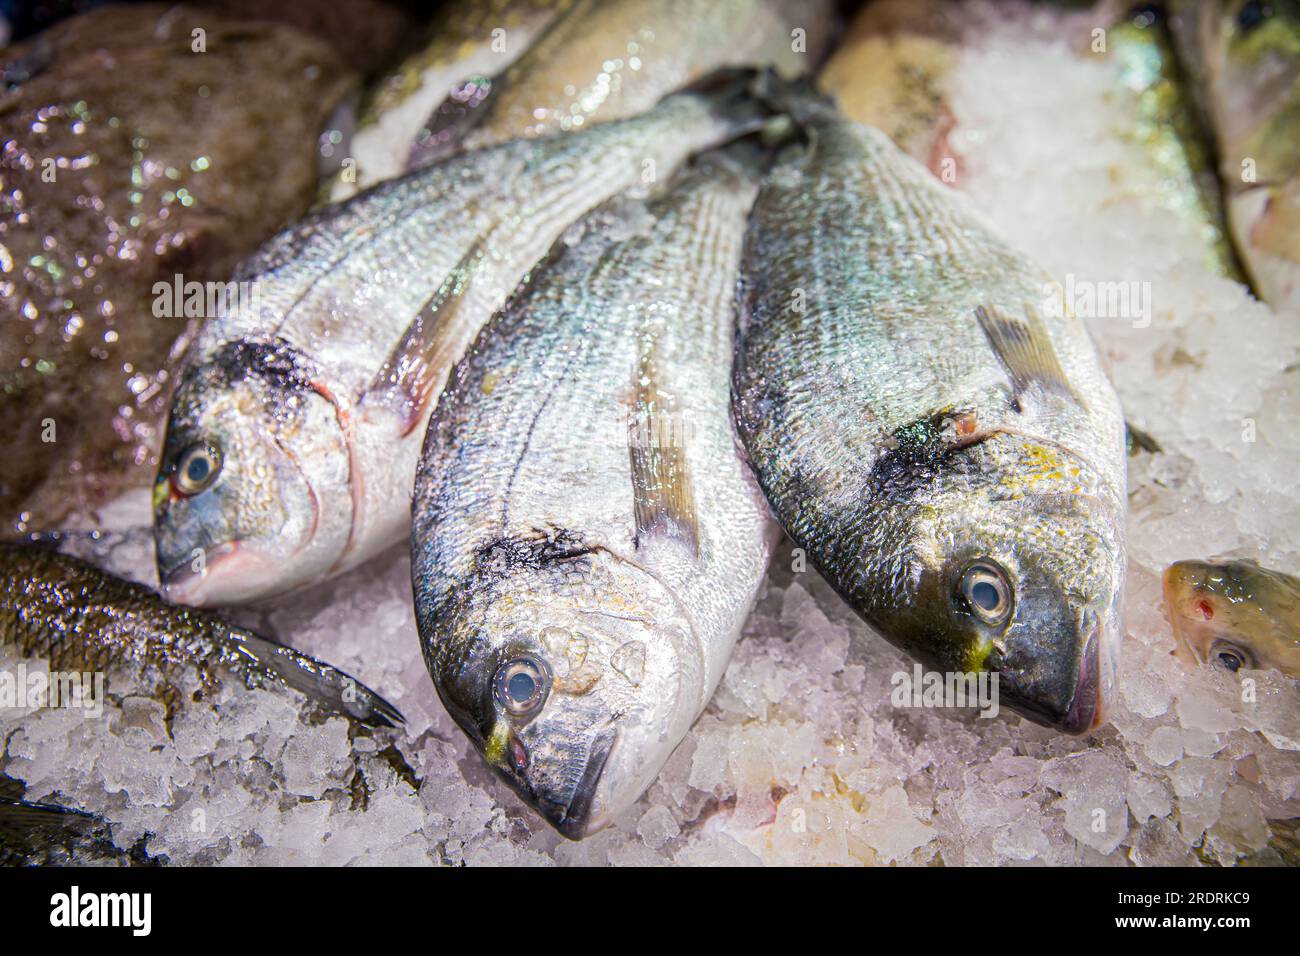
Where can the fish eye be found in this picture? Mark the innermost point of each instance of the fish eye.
(986, 592)
(521, 685)
(1252, 14)
(1230, 657)
(197, 468)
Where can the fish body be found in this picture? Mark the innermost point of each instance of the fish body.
(1244, 60)
(296, 427)
(932, 425)
(470, 41)
(587, 541)
(1235, 615)
(77, 618)
(607, 59)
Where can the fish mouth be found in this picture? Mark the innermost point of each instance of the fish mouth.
(575, 820)
(1088, 707)
(224, 576)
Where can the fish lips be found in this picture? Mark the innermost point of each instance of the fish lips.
(583, 812)
(1073, 704)
(225, 575)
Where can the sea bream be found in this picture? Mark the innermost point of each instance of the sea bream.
(469, 42)
(602, 60)
(931, 424)
(296, 427)
(587, 541)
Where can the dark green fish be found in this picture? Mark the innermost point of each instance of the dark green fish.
(932, 425)
(77, 618)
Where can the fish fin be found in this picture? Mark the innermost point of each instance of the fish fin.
(1025, 351)
(663, 500)
(443, 133)
(17, 816)
(1139, 441)
(410, 373)
(322, 683)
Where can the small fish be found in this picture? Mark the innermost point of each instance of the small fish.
(1235, 615)
(607, 59)
(1244, 60)
(77, 618)
(931, 424)
(296, 427)
(587, 541)
(470, 42)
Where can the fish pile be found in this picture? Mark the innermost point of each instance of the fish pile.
(603, 302)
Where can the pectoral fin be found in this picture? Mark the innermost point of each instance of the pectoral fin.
(445, 129)
(415, 369)
(1022, 345)
(662, 496)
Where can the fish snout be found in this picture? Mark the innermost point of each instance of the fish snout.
(586, 809)
(1072, 695)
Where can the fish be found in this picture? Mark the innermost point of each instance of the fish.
(120, 172)
(930, 423)
(77, 618)
(1234, 615)
(1243, 57)
(602, 60)
(1138, 42)
(892, 70)
(586, 539)
(470, 41)
(294, 436)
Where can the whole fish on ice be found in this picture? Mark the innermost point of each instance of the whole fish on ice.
(587, 541)
(296, 426)
(931, 424)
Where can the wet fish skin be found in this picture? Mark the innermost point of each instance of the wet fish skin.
(581, 507)
(77, 618)
(295, 432)
(463, 45)
(911, 438)
(607, 59)
(1234, 614)
(1244, 60)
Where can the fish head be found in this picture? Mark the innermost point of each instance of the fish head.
(1234, 615)
(575, 678)
(1016, 566)
(252, 494)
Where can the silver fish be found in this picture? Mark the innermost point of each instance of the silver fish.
(296, 427)
(931, 424)
(602, 60)
(587, 541)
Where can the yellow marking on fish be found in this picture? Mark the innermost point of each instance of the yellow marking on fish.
(494, 748)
